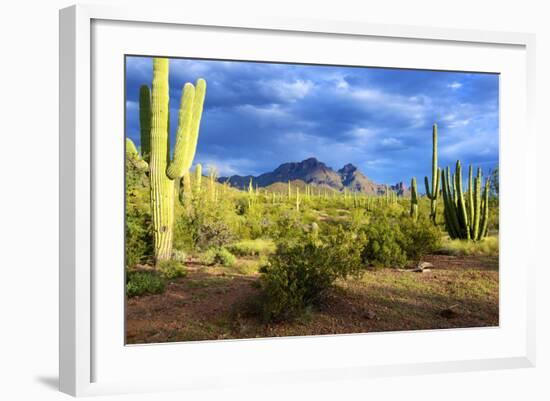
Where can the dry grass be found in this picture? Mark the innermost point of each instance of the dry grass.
(456, 247)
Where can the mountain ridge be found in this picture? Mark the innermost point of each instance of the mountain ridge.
(315, 172)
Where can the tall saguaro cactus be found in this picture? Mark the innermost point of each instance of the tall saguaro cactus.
(414, 200)
(154, 117)
(433, 195)
(198, 178)
(465, 220)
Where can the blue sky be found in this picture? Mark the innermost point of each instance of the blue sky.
(259, 115)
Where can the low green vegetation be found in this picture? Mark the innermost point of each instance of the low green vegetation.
(487, 247)
(300, 272)
(218, 256)
(255, 247)
(144, 282)
(171, 269)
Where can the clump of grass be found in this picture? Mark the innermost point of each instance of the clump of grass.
(171, 269)
(144, 282)
(249, 267)
(486, 247)
(218, 256)
(255, 247)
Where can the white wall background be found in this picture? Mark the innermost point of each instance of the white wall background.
(29, 187)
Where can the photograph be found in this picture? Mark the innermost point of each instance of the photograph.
(273, 199)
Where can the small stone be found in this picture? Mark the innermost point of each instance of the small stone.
(369, 315)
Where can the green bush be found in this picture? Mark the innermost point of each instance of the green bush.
(138, 230)
(171, 269)
(144, 282)
(257, 247)
(214, 233)
(298, 274)
(384, 240)
(419, 237)
(218, 256)
(139, 237)
(392, 240)
(225, 258)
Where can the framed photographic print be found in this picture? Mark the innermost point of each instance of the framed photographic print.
(290, 200)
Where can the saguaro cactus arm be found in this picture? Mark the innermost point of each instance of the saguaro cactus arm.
(190, 114)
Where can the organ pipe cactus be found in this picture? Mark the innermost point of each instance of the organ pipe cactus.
(433, 194)
(414, 200)
(154, 119)
(465, 220)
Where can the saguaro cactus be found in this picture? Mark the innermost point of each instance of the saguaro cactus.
(198, 178)
(465, 220)
(433, 195)
(414, 200)
(163, 171)
(289, 191)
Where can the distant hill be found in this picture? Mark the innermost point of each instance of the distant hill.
(312, 171)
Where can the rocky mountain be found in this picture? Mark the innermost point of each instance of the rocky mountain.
(315, 172)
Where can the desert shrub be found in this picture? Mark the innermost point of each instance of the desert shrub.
(202, 229)
(214, 233)
(384, 240)
(171, 269)
(185, 232)
(217, 256)
(255, 247)
(144, 282)
(255, 222)
(299, 273)
(139, 236)
(208, 257)
(419, 237)
(138, 231)
(286, 225)
(487, 247)
(224, 257)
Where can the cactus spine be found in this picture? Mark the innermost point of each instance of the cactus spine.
(162, 170)
(414, 200)
(433, 195)
(465, 220)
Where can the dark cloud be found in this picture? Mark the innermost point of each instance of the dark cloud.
(259, 115)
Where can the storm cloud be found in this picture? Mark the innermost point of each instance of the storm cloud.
(259, 115)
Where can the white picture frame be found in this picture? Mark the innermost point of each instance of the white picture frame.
(89, 362)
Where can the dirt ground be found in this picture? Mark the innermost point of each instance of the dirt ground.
(213, 303)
